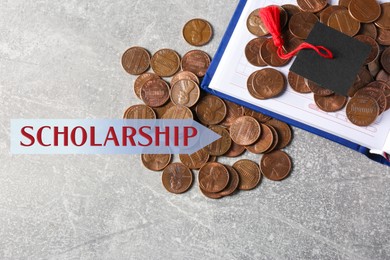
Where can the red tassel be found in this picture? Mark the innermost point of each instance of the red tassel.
(271, 18)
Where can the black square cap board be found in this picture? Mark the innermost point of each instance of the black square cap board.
(339, 73)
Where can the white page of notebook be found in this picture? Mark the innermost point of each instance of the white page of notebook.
(233, 71)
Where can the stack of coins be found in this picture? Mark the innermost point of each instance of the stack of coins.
(181, 98)
(365, 20)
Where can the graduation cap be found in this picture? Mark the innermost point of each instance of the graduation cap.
(328, 57)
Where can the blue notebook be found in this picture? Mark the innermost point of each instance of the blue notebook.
(228, 73)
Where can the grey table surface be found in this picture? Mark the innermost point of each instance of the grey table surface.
(61, 59)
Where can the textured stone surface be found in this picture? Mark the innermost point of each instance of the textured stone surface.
(61, 59)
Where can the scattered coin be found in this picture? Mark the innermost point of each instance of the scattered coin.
(234, 150)
(302, 23)
(298, 83)
(155, 162)
(210, 110)
(284, 133)
(276, 165)
(197, 32)
(312, 6)
(245, 130)
(383, 37)
(364, 11)
(178, 112)
(213, 177)
(185, 92)
(318, 90)
(249, 173)
(384, 19)
(155, 92)
(342, 21)
(383, 76)
(269, 54)
(222, 145)
(374, 47)
(369, 29)
(266, 83)
(362, 110)
(330, 103)
(265, 141)
(362, 79)
(252, 52)
(177, 178)
(325, 14)
(195, 160)
(257, 115)
(141, 80)
(136, 60)
(165, 62)
(139, 112)
(184, 75)
(233, 111)
(376, 93)
(196, 61)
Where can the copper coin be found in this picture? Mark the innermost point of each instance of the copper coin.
(155, 162)
(197, 32)
(155, 92)
(383, 37)
(362, 110)
(257, 115)
(269, 54)
(256, 26)
(365, 11)
(374, 47)
(284, 133)
(213, 177)
(301, 24)
(275, 141)
(344, 3)
(383, 76)
(298, 83)
(249, 173)
(372, 90)
(178, 112)
(245, 130)
(234, 150)
(291, 9)
(184, 75)
(177, 178)
(385, 89)
(342, 21)
(368, 29)
(330, 103)
(139, 112)
(312, 6)
(384, 19)
(374, 67)
(266, 83)
(233, 111)
(195, 160)
(196, 61)
(210, 110)
(290, 41)
(252, 52)
(185, 92)
(325, 14)
(275, 166)
(264, 142)
(160, 111)
(385, 60)
(222, 145)
(141, 80)
(362, 79)
(213, 158)
(165, 62)
(136, 60)
(210, 195)
(318, 90)
(234, 180)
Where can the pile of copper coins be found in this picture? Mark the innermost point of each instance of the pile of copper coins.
(181, 98)
(365, 20)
